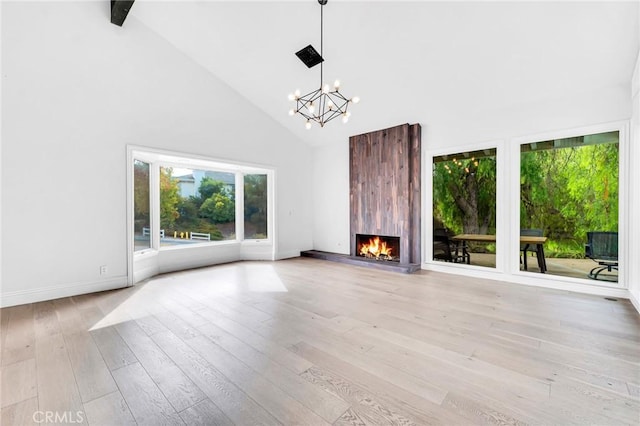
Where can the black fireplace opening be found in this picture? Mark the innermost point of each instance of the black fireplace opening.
(378, 247)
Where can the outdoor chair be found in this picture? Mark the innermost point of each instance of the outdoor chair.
(446, 249)
(524, 248)
(602, 248)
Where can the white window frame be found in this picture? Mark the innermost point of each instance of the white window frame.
(501, 214)
(508, 215)
(161, 158)
(571, 283)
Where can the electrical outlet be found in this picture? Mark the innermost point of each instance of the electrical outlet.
(103, 270)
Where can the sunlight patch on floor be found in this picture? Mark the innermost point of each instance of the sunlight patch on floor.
(148, 297)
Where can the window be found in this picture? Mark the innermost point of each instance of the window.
(196, 206)
(569, 189)
(141, 204)
(464, 207)
(181, 201)
(255, 206)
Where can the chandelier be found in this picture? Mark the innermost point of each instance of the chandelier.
(326, 102)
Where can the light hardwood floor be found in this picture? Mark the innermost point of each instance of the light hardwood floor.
(309, 342)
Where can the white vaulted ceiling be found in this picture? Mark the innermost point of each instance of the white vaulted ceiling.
(408, 61)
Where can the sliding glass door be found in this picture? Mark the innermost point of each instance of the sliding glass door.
(569, 195)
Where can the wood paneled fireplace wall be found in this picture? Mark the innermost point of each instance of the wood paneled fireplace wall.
(384, 175)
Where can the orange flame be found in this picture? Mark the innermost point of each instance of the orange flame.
(375, 248)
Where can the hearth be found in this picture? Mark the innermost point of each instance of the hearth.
(378, 247)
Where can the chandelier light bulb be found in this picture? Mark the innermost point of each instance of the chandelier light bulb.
(355, 99)
(291, 112)
(311, 108)
(325, 89)
(345, 118)
(291, 97)
(296, 93)
(336, 84)
(307, 125)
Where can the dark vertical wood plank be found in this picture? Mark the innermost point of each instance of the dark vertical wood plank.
(415, 198)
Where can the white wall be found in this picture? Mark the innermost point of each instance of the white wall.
(76, 91)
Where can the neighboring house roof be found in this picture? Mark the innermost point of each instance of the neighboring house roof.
(226, 178)
(185, 178)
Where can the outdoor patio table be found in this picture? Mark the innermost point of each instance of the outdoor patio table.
(524, 239)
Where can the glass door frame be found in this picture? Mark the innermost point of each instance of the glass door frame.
(623, 205)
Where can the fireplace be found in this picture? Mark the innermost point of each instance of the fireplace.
(378, 247)
(384, 193)
(384, 182)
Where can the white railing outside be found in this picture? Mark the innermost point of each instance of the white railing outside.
(147, 231)
(200, 236)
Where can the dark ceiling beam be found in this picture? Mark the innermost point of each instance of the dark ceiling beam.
(119, 11)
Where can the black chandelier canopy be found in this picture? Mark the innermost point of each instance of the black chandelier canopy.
(326, 102)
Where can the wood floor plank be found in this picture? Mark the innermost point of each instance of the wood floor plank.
(113, 349)
(4, 326)
(45, 319)
(69, 317)
(19, 382)
(276, 352)
(205, 413)
(177, 325)
(608, 404)
(315, 399)
(92, 374)
(287, 331)
(21, 413)
(151, 325)
(234, 308)
(478, 413)
(544, 366)
(57, 388)
(234, 403)
(634, 390)
(427, 411)
(145, 400)
(384, 371)
(462, 368)
(176, 386)
(19, 340)
(282, 406)
(605, 345)
(109, 410)
(361, 404)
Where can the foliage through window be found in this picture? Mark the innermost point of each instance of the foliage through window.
(196, 206)
(569, 187)
(255, 206)
(141, 203)
(464, 202)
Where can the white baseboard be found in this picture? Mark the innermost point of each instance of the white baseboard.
(144, 273)
(556, 284)
(635, 302)
(287, 254)
(22, 297)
